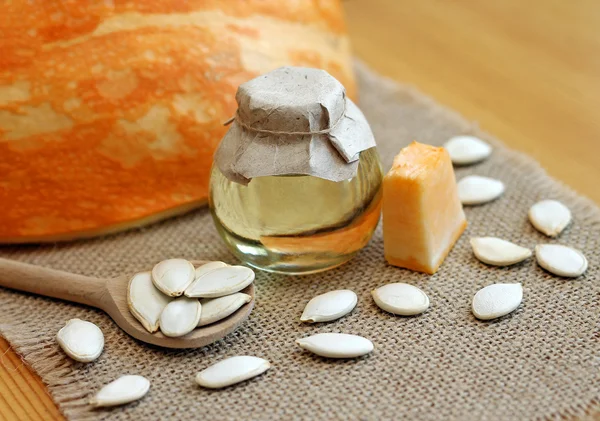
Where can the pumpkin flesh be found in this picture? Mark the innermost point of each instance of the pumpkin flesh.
(110, 112)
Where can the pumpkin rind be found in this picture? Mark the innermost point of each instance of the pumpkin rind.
(110, 111)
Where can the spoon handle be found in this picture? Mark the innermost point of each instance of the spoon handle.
(51, 283)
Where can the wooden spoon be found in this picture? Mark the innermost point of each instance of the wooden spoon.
(110, 295)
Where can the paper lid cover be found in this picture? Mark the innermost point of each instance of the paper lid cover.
(294, 120)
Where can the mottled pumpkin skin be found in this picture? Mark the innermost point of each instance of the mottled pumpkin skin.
(110, 111)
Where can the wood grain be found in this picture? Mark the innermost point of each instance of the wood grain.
(527, 71)
(23, 396)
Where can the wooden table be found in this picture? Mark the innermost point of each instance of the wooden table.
(527, 71)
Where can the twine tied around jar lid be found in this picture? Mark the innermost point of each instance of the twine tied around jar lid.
(248, 127)
(293, 121)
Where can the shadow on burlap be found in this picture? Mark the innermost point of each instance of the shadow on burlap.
(542, 361)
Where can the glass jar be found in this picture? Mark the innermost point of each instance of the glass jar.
(296, 181)
(298, 224)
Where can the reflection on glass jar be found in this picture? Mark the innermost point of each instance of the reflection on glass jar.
(298, 223)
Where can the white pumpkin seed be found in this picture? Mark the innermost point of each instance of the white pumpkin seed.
(497, 300)
(83, 341)
(466, 150)
(215, 309)
(231, 371)
(498, 252)
(476, 190)
(209, 267)
(400, 298)
(173, 276)
(145, 301)
(124, 390)
(561, 260)
(336, 345)
(550, 217)
(329, 306)
(180, 317)
(220, 282)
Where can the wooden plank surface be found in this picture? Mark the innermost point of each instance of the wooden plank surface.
(527, 71)
(23, 396)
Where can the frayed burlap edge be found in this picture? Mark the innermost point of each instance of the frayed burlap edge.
(48, 362)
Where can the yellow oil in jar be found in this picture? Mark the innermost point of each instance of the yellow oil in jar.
(298, 224)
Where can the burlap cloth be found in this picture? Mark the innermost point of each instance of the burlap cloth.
(543, 361)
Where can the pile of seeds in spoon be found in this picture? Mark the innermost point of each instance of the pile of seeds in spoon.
(177, 298)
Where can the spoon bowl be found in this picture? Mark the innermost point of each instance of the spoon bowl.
(110, 295)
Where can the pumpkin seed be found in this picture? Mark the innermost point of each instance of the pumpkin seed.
(83, 341)
(329, 306)
(550, 217)
(215, 309)
(124, 390)
(476, 190)
(145, 301)
(220, 282)
(498, 252)
(231, 371)
(173, 276)
(402, 299)
(209, 267)
(466, 150)
(336, 345)
(561, 260)
(180, 317)
(497, 300)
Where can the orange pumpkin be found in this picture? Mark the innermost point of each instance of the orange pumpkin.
(110, 110)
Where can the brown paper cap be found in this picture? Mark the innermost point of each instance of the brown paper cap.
(294, 100)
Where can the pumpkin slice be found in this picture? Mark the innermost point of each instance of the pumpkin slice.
(422, 215)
